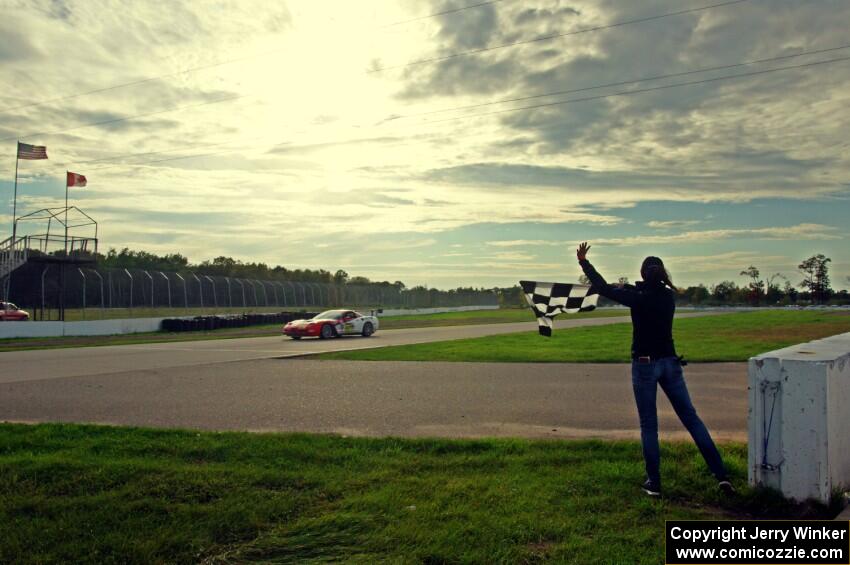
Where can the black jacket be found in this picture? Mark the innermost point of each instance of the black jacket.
(652, 306)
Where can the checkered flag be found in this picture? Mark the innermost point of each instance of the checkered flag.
(550, 299)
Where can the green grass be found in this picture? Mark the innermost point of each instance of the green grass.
(727, 337)
(501, 316)
(387, 323)
(91, 494)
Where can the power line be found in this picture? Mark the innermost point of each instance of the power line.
(210, 66)
(574, 100)
(132, 155)
(642, 90)
(620, 83)
(555, 36)
(521, 98)
(136, 82)
(443, 13)
(127, 118)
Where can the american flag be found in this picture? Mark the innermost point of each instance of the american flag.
(27, 151)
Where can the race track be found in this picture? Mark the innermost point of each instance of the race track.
(79, 361)
(260, 384)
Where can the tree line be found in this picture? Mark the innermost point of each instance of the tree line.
(760, 289)
(229, 267)
(771, 289)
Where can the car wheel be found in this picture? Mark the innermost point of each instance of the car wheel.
(327, 332)
(368, 329)
(295, 336)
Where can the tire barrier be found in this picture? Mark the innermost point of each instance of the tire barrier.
(210, 323)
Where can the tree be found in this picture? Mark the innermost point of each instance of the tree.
(815, 271)
(790, 292)
(724, 291)
(696, 294)
(756, 284)
(773, 294)
(340, 277)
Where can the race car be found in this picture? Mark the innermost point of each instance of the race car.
(11, 313)
(332, 323)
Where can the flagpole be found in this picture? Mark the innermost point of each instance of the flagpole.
(15, 198)
(66, 214)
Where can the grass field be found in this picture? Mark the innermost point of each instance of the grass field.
(729, 337)
(389, 322)
(89, 494)
(501, 316)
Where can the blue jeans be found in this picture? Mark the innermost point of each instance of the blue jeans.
(667, 372)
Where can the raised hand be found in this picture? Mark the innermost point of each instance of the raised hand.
(582, 250)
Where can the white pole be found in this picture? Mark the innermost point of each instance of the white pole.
(15, 197)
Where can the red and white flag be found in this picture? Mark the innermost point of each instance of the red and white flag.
(31, 152)
(76, 180)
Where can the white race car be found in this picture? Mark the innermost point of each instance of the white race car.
(332, 323)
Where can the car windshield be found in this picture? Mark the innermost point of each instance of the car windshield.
(330, 315)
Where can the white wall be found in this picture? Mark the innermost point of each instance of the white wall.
(81, 328)
(809, 436)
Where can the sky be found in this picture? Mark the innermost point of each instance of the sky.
(402, 140)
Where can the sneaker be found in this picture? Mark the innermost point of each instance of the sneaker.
(726, 487)
(651, 489)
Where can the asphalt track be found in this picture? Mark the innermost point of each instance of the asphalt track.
(256, 384)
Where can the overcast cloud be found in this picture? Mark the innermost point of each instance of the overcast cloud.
(284, 143)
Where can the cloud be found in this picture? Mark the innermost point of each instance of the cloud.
(731, 260)
(310, 142)
(796, 233)
(514, 256)
(524, 243)
(669, 224)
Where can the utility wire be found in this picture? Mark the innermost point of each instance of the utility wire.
(131, 155)
(521, 98)
(593, 87)
(273, 51)
(210, 66)
(136, 82)
(620, 83)
(127, 118)
(555, 36)
(443, 13)
(574, 100)
(641, 90)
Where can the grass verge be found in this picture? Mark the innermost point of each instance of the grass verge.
(387, 323)
(72, 493)
(501, 316)
(729, 337)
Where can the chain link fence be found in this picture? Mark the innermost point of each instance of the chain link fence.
(92, 293)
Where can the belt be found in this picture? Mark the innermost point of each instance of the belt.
(646, 359)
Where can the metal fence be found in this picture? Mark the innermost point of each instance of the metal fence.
(95, 292)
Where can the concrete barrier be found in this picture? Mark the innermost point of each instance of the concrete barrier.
(80, 328)
(799, 418)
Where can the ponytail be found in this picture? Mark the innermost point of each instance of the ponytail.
(653, 271)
